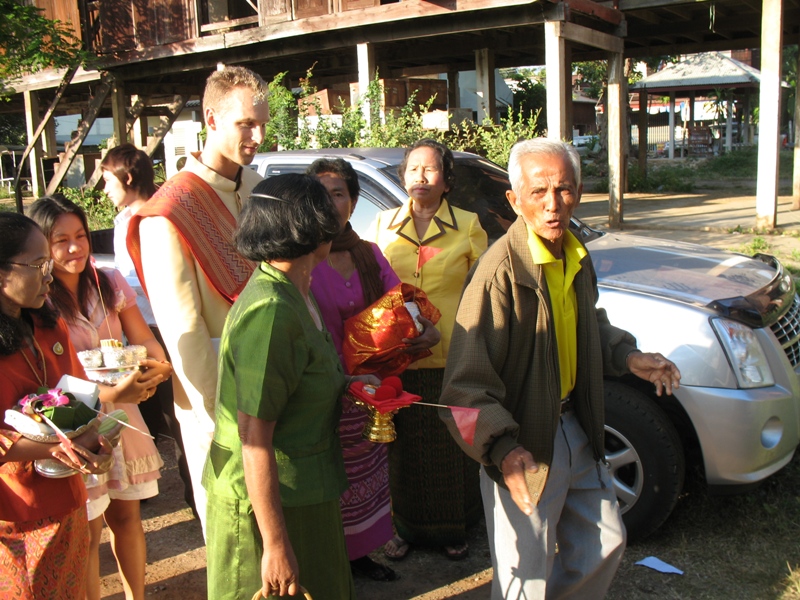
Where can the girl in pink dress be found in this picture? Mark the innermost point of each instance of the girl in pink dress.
(92, 316)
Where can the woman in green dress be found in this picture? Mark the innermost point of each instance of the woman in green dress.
(274, 473)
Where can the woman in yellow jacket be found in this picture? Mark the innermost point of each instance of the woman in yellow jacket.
(430, 244)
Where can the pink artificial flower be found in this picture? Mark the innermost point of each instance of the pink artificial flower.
(53, 397)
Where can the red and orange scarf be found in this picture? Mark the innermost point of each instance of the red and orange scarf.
(206, 226)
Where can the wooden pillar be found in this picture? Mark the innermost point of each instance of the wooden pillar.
(692, 98)
(49, 145)
(671, 124)
(139, 128)
(555, 49)
(32, 118)
(484, 85)
(453, 91)
(119, 104)
(769, 120)
(643, 131)
(568, 108)
(796, 151)
(616, 117)
(366, 73)
(746, 138)
(729, 122)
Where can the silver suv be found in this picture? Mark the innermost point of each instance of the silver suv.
(730, 322)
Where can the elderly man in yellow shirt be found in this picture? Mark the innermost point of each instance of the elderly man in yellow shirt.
(529, 350)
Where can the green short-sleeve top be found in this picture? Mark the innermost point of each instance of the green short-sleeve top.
(274, 364)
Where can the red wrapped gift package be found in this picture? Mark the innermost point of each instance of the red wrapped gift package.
(373, 339)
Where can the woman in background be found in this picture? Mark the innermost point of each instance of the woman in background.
(93, 315)
(355, 275)
(129, 183)
(432, 245)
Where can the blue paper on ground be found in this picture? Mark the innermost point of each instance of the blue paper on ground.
(659, 565)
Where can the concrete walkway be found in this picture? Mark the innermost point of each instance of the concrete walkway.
(722, 218)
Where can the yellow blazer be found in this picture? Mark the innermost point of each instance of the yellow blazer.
(438, 264)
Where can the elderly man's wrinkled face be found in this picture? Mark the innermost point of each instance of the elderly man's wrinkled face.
(546, 198)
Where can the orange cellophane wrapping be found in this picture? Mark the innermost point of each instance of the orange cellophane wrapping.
(373, 339)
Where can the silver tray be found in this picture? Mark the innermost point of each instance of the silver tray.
(47, 438)
(53, 469)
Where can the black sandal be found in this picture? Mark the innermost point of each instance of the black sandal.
(366, 567)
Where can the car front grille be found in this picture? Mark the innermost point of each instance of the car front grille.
(787, 330)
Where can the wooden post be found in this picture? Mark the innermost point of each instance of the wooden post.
(366, 73)
(729, 122)
(453, 91)
(118, 107)
(139, 129)
(769, 120)
(484, 84)
(555, 65)
(643, 132)
(616, 116)
(796, 151)
(49, 139)
(671, 124)
(32, 118)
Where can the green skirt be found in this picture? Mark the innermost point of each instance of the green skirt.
(435, 486)
(234, 550)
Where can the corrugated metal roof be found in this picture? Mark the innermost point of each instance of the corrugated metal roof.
(708, 70)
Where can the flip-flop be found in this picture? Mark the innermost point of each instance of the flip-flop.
(401, 549)
(459, 552)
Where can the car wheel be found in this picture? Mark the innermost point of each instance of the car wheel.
(645, 459)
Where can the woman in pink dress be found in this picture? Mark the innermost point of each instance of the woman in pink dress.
(92, 316)
(354, 276)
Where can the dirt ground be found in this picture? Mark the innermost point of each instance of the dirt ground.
(176, 553)
(176, 556)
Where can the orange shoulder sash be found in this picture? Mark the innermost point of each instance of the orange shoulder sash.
(205, 225)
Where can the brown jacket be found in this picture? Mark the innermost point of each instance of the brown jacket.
(503, 357)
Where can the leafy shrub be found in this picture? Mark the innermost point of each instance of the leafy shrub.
(292, 127)
(100, 211)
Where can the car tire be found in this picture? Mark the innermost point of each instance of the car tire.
(645, 459)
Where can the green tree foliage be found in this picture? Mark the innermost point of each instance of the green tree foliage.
(12, 130)
(593, 73)
(294, 125)
(30, 43)
(530, 97)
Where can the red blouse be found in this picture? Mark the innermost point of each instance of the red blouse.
(24, 494)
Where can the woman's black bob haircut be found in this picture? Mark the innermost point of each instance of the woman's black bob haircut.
(287, 216)
(445, 155)
(342, 169)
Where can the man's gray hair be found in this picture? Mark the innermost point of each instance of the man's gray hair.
(541, 147)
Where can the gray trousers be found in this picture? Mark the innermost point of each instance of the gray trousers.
(571, 546)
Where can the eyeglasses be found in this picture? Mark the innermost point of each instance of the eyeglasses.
(46, 267)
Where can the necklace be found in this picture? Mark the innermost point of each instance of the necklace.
(42, 380)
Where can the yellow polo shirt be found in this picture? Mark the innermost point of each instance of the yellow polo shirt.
(437, 264)
(563, 300)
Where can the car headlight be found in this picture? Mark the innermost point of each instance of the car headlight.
(745, 353)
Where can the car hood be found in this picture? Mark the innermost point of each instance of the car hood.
(688, 273)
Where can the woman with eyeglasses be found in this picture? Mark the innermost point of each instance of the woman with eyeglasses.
(99, 304)
(44, 538)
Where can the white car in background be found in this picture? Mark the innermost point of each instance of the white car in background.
(730, 322)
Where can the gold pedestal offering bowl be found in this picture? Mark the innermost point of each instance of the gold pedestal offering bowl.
(380, 408)
(379, 427)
